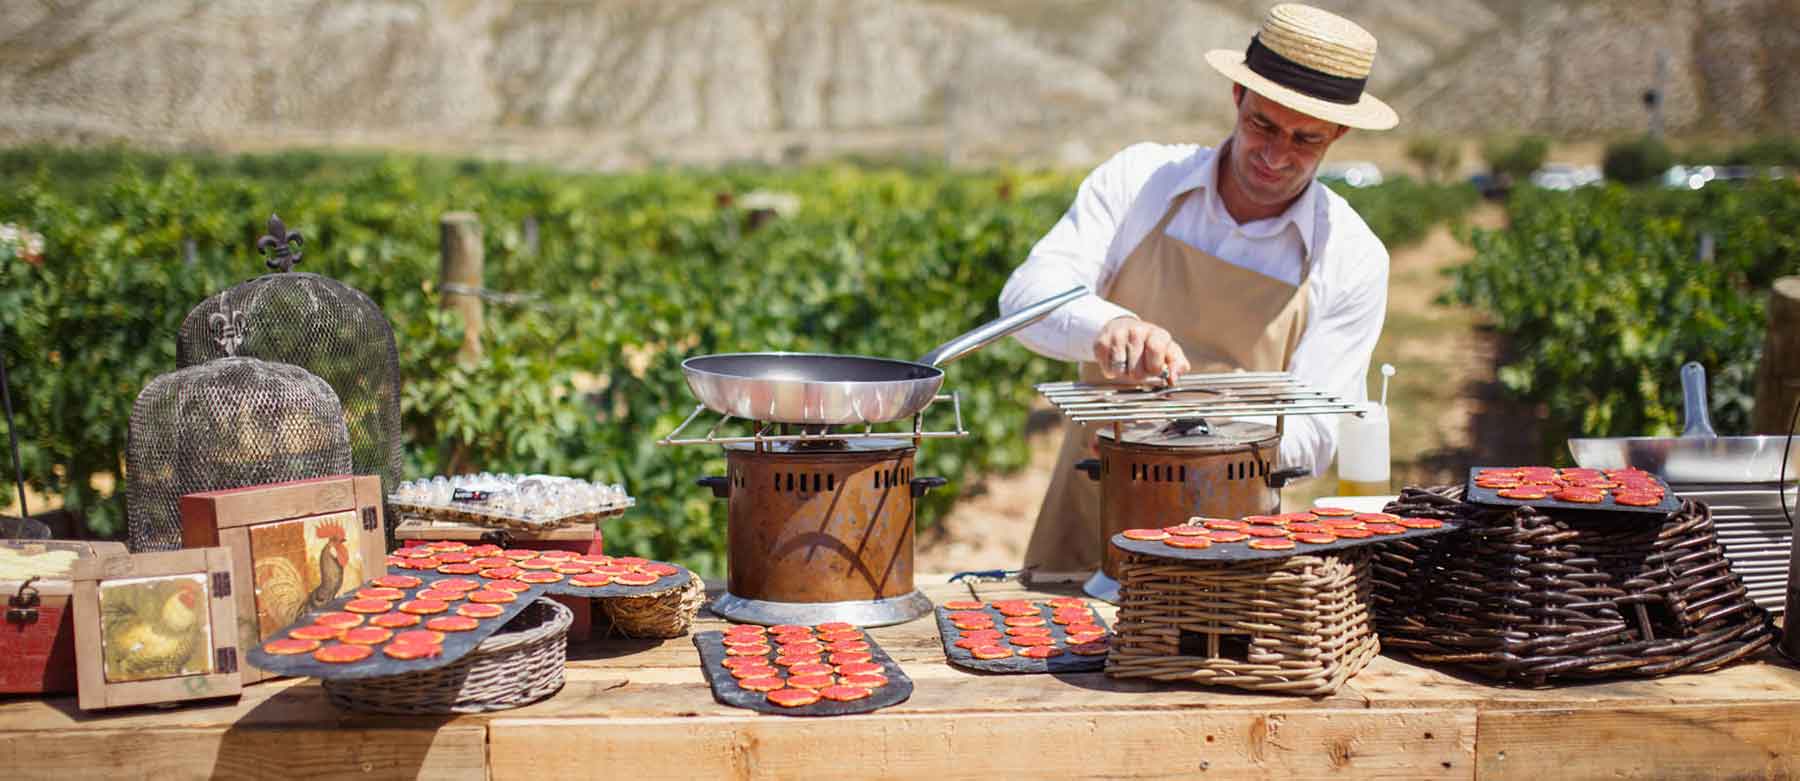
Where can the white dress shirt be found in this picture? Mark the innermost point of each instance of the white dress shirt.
(1120, 203)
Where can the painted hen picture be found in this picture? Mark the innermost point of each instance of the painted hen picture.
(301, 565)
(155, 628)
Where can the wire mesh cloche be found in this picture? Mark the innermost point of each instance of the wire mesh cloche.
(322, 325)
(228, 423)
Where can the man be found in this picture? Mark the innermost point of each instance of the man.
(1222, 259)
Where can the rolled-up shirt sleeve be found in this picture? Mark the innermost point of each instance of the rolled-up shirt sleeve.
(1334, 353)
(1073, 253)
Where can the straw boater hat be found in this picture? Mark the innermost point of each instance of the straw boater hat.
(1313, 62)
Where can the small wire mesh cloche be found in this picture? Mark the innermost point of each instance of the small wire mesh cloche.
(228, 423)
(320, 324)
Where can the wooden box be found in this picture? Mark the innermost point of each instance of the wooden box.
(37, 642)
(583, 538)
(297, 546)
(155, 627)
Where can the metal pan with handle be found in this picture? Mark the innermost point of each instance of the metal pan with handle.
(1699, 455)
(821, 389)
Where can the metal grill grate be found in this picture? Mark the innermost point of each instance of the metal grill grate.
(760, 433)
(1224, 395)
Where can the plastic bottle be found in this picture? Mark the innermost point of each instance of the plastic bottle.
(1363, 460)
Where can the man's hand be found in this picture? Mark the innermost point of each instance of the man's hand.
(1132, 350)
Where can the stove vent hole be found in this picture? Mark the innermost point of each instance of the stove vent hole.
(1184, 473)
(831, 483)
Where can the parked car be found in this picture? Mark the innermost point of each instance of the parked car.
(1563, 176)
(1694, 177)
(1356, 173)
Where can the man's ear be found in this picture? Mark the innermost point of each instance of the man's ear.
(1237, 94)
(1341, 130)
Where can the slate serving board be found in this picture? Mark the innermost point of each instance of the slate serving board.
(1225, 552)
(455, 645)
(1491, 496)
(725, 688)
(1016, 664)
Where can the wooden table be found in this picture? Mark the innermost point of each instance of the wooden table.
(641, 710)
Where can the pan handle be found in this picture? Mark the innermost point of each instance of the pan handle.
(1280, 477)
(986, 334)
(922, 484)
(721, 487)
(1693, 402)
(1091, 466)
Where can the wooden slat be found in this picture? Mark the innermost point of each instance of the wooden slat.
(1117, 744)
(1678, 741)
(1391, 682)
(167, 754)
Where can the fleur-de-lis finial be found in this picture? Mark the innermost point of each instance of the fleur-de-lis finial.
(281, 246)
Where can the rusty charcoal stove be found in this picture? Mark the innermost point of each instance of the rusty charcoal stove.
(1170, 453)
(820, 520)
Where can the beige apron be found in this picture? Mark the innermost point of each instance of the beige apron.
(1225, 318)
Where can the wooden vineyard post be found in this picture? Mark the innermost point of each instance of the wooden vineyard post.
(1778, 378)
(460, 276)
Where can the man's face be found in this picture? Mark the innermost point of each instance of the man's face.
(1275, 150)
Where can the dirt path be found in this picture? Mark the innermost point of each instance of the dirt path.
(1444, 406)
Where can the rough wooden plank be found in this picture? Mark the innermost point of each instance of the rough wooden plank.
(940, 689)
(272, 704)
(454, 751)
(1121, 744)
(1390, 682)
(1680, 741)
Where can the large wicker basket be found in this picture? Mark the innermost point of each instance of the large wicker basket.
(518, 665)
(1298, 625)
(1530, 596)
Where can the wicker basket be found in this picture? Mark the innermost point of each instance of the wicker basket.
(518, 665)
(1530, 597)
(1298, 625)
(662, 615)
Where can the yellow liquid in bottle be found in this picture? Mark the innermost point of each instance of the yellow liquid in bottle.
(1363, 488)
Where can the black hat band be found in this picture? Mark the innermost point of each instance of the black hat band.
(1312, 82)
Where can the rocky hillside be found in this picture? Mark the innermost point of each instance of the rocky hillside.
(633, 81)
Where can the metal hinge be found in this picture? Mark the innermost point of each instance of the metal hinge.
(369, 520)
(225, 660)
(221, 584)
(22, 607)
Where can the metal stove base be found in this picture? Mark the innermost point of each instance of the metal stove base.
(861, 612)
(1102, 587)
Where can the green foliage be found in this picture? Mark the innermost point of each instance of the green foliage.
(1515, 157)
(1780, 150)
(631, 274)
(1401, 210)
(1437, 157)
(1638, 161)
(1602, 297)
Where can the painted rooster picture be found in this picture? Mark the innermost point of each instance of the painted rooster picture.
(334, 560)
(301, 565)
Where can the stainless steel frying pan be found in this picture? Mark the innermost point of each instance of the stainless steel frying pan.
(820, 389)
(1699, 455)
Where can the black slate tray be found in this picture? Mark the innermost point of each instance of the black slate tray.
(662, 585)
(1015, 664)
(1491, 496)
(455, 645)
(1226, 552)
(726, 690)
